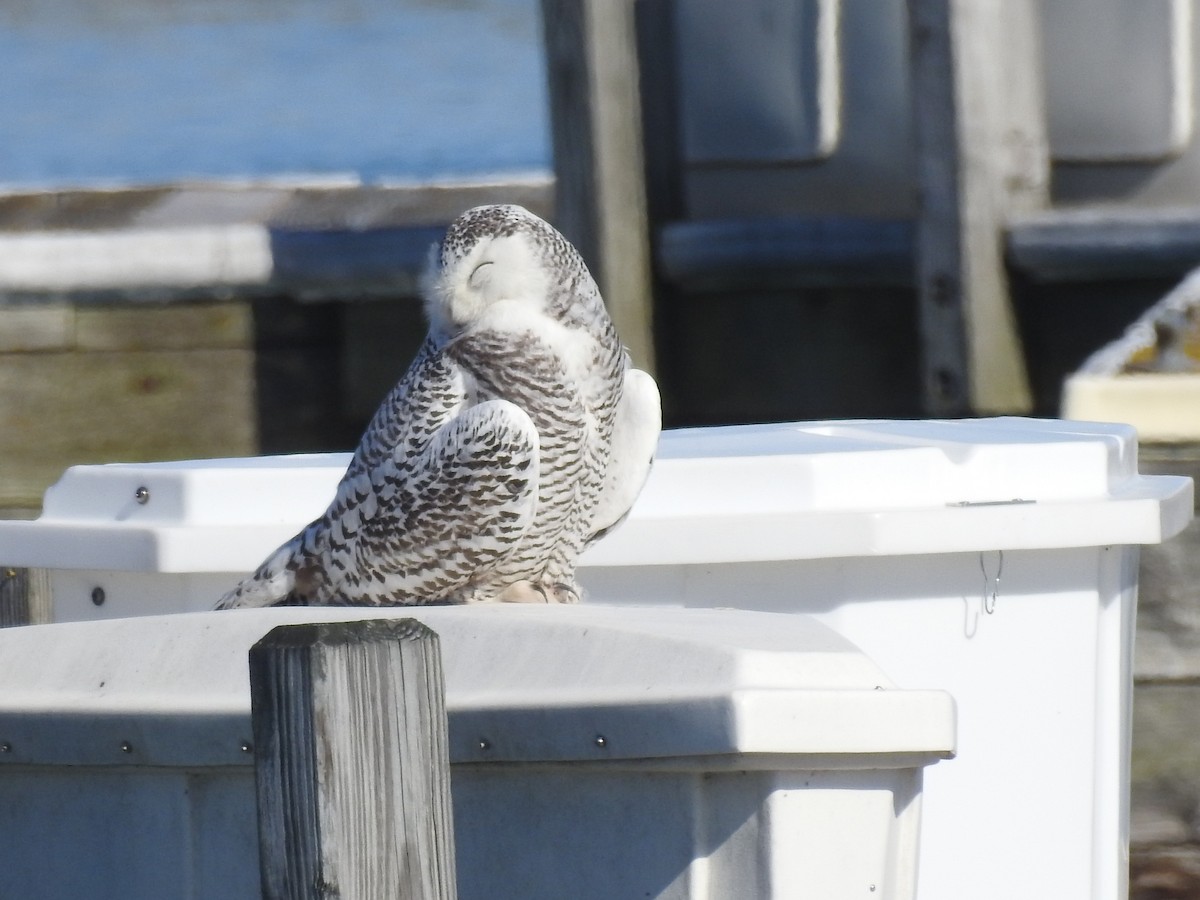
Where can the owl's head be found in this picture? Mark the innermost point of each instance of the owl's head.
(498, 261)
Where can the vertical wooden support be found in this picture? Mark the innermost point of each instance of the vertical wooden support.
(596, 129)
(351, 762)
(659, 95)
(25, 597)
(981, 156)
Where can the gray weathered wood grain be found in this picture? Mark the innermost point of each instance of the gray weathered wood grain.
(981, 156)
(596, 131)
(351, 762)
(25, 597)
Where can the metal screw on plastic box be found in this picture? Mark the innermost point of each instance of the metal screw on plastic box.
(142, 495)
(601, 741)
(6, 747)
(98, 597)
(247, 747)
(126, 747)
(485, 744)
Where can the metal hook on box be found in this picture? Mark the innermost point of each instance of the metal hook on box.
(991, 584)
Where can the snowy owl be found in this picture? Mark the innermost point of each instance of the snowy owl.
(519, 435)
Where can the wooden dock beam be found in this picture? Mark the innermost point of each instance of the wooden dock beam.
(596, 130)
(25, 597)
(981, 156)
(351, 762)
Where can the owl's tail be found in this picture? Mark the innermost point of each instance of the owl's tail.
(272, 583)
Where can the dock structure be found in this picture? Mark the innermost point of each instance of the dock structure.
(209, 319)
(811, 153)
(596, 131)
(895, 231)
(935, 238)
(981, 154)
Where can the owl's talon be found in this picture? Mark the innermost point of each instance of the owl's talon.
(561, 590)
(523, 591)
(526, 591)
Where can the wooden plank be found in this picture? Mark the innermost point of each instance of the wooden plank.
(1118, 79)
(662, 141)
(351, 762)
(377, 342)
(36, 327)
(183, 258)
(596, 131)
(73, 209)
(785, 253)
(186, 326)
(981, 156)
(760, 81)
(25, 597)
(379, 261)
(363, 208)
(1103, 244)
(192, 242)
(297, 352)
(58, 409)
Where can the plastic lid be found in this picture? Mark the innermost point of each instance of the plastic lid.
(742, 493)
(522, 683)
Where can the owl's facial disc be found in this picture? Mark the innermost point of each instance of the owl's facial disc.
(496, 276)
(479, 278)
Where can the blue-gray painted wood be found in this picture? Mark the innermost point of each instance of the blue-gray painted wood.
(759, 80)
(362, 259)
(785, 252)
(1105, 244)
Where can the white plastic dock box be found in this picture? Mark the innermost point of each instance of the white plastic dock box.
(995, 559)
(597, 753)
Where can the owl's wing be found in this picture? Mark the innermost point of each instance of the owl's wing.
(425, 527)
(631, 452)
(430, 393)
(431, 487)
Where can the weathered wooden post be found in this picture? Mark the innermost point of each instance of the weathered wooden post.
(981, 156)
(596, 129)
(351, 762)
(24, 596)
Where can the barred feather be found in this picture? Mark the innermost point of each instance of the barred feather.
(490, 466)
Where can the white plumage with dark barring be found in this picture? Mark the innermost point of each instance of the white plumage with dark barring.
(520, 434)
